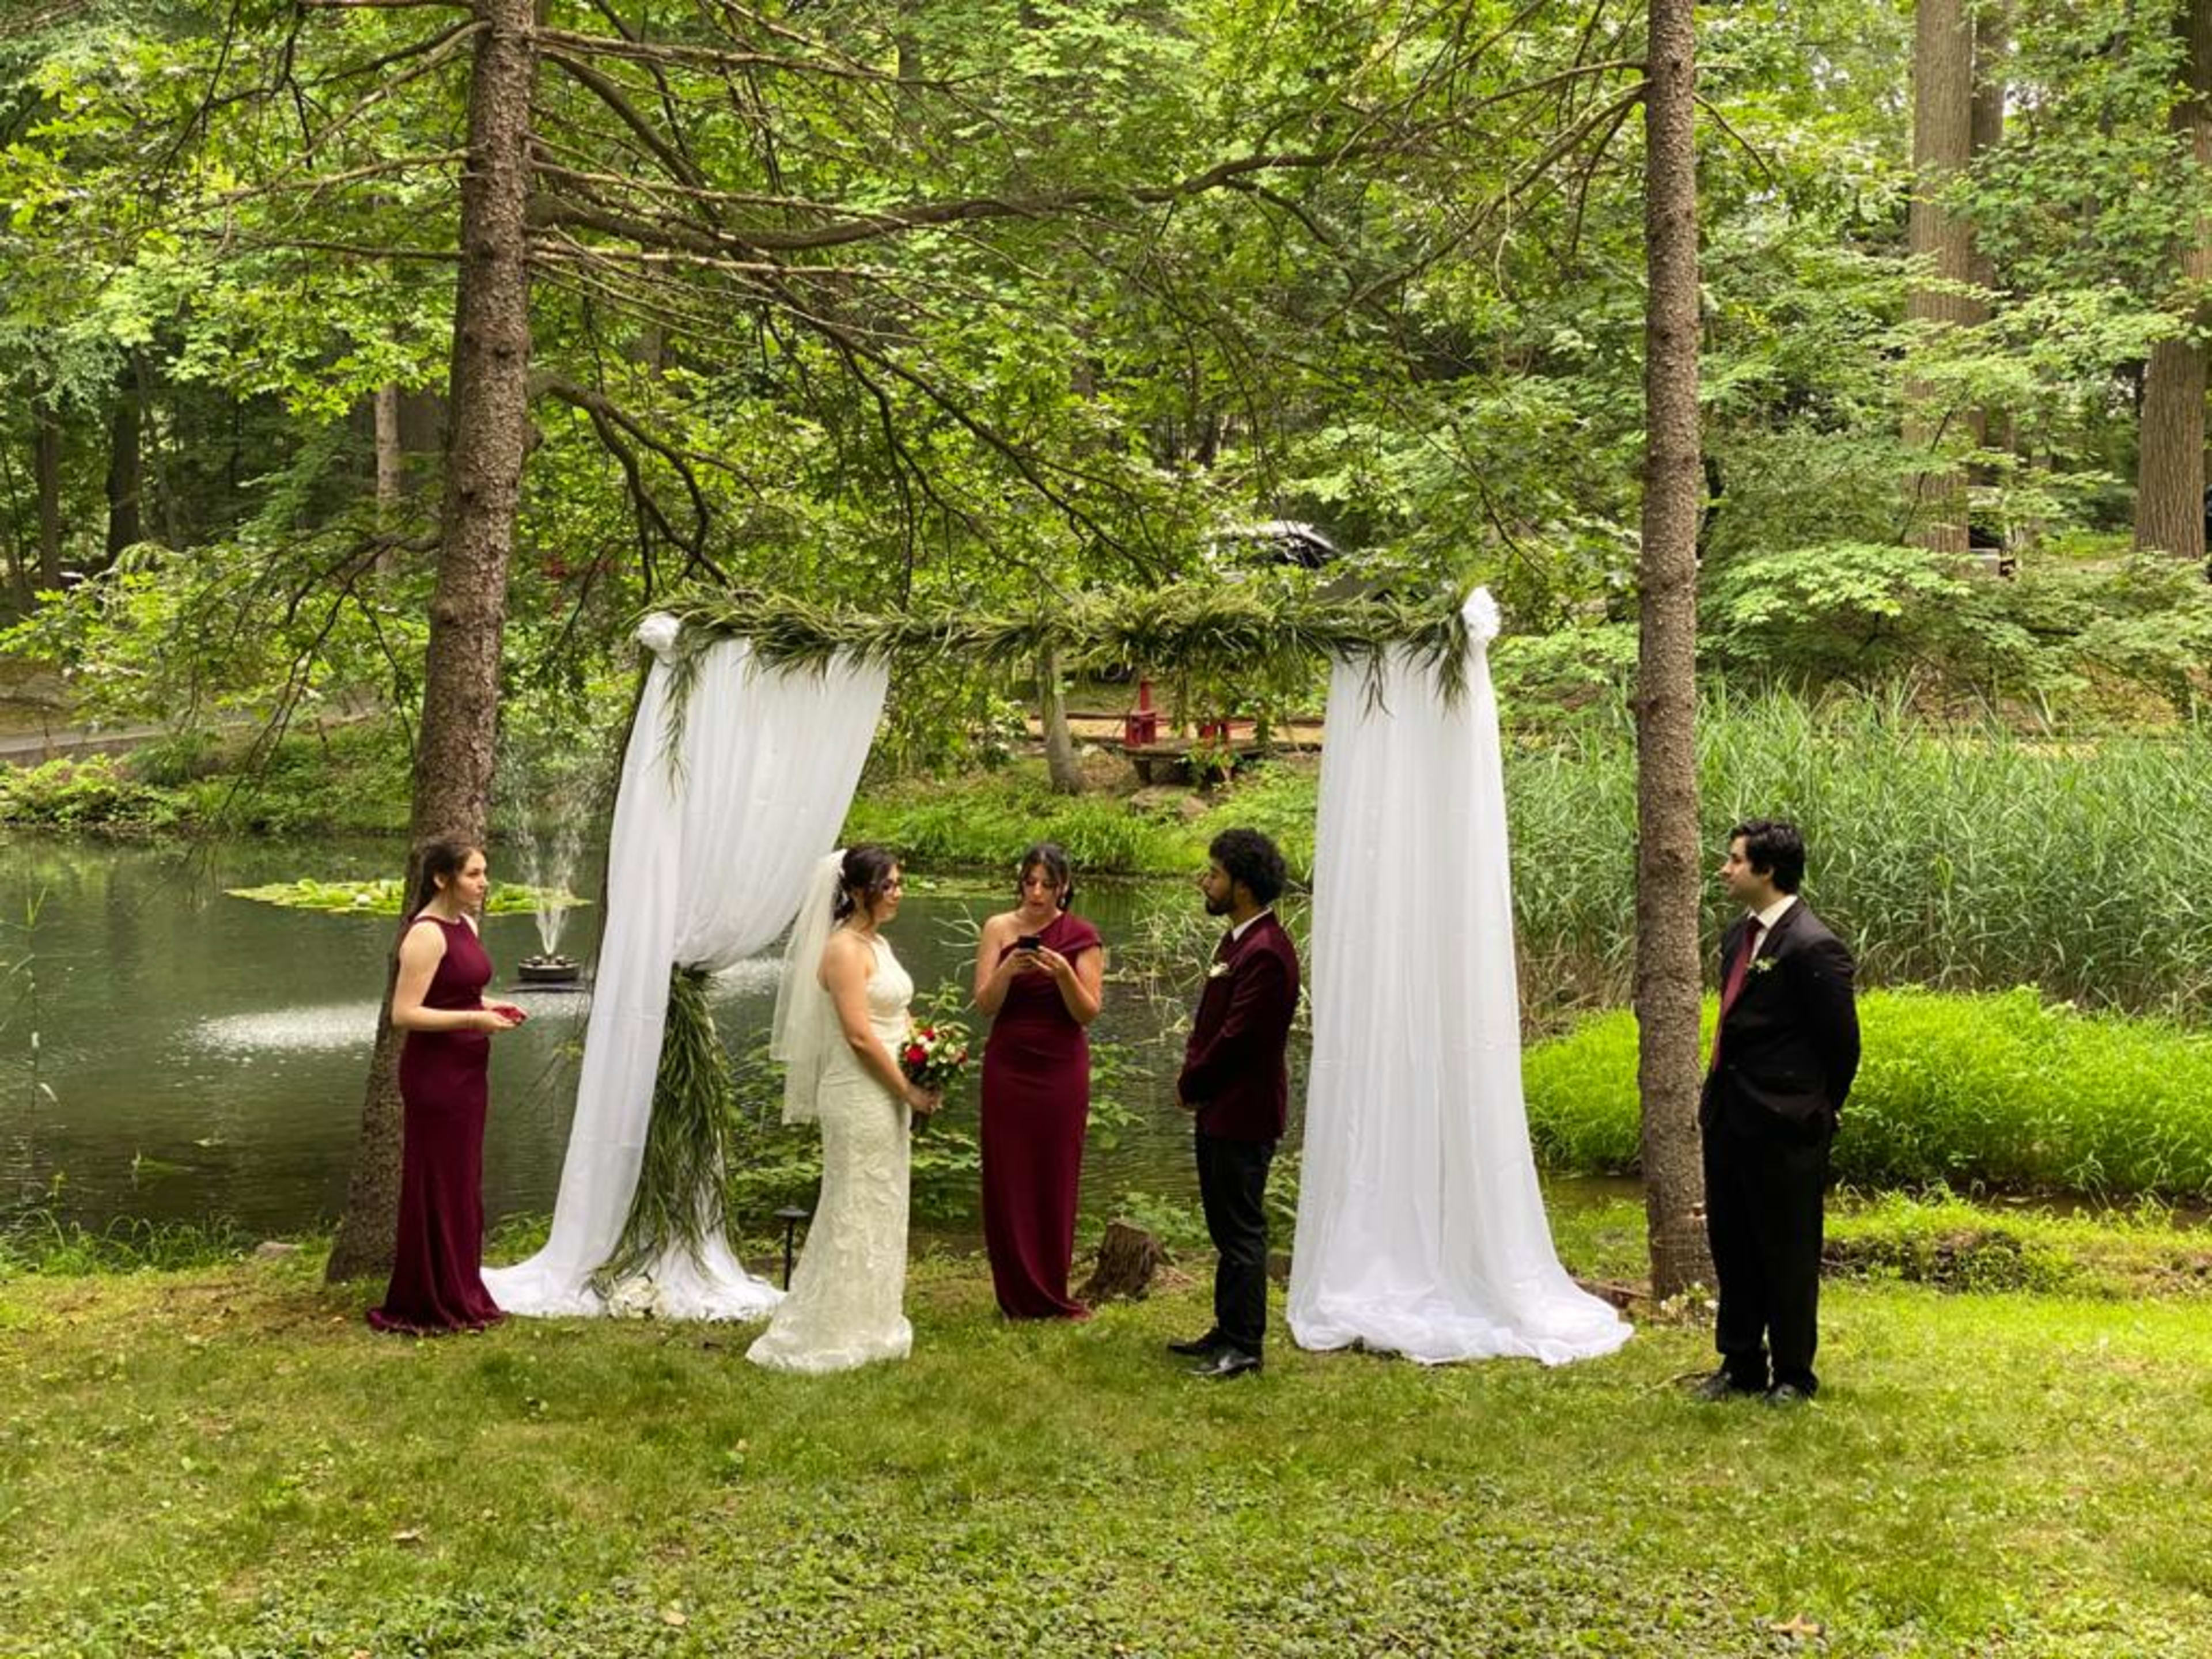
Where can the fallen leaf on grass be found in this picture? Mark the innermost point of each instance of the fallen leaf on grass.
(408, 1536)
(1798, 1628)
(673, 1616)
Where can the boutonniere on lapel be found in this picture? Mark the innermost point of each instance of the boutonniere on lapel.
(1762, 964)
(1219, 971)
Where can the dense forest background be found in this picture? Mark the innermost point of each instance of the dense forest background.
(893, 302)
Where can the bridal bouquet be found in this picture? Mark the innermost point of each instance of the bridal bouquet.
(934, 1053)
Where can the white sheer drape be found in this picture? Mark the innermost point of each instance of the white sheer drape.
(1421, 1229)
(706, 864)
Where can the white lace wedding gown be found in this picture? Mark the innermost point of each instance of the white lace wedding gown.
(845, 1308)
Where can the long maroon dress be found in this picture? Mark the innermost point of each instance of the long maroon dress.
(1037, 1103)
(437, 1278)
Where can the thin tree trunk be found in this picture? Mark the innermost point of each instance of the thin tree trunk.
(483, 476)
(18, 559)
(391, 469)
(390, 456)
(46, 474)
(1992, 48)
(125, 468)
(19, 575)
(2170, 470)
(1668, 864)
(1059, 741)
(1942, 145)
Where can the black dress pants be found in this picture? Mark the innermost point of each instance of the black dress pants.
(1763, 1199)
(1232, 1185)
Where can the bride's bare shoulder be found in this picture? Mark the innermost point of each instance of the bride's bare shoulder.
(846, 952)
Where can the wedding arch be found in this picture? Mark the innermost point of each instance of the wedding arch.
(1420, 1228)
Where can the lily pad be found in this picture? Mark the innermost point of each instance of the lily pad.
(382, 897)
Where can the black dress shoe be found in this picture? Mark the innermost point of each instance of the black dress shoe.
(1787, 1393)
(1721, 1385)
(1226, 1362)
(1199, 1347)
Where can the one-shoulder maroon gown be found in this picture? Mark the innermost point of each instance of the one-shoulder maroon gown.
(437, 1270)
(1037, 1104)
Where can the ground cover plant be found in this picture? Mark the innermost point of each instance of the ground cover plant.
(2009, 1091)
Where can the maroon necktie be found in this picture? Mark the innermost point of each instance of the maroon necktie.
(1739, 970)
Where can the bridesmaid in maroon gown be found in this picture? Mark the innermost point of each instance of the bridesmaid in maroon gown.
(437, 1282)
(1039, 973)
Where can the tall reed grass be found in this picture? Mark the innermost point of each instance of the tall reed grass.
(1963, 860)
(1968, 860)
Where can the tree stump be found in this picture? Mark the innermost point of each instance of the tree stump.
(1128, 1256)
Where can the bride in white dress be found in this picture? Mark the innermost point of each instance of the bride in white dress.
(841, 1016)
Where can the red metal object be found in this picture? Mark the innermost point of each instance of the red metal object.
(1141, 725)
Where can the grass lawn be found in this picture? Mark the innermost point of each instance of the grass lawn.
(225, 1460)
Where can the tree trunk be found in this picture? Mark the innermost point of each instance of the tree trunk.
(1942, 145)
(1667, 853)
(2170, 470)
(390, 455)
(468, 609)
(125, 467)
(1993, 48)
(1059, 741)
(19, 575)
(46, 471)
(1129, 1257)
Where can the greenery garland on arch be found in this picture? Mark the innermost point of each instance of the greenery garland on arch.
(1259, 626)
(1256, 626)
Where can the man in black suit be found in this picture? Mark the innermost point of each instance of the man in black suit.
(1236, 1083)
(1785, 1053)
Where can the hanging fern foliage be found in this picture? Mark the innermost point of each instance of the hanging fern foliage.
(689, 1143)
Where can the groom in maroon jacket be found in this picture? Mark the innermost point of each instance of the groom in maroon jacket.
(1236, 1082)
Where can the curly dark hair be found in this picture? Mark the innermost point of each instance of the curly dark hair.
(1051, 857)
(865, 879)
(1248, 856)
(1776, 848)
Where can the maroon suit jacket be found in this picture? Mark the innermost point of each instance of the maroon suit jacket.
(1236, 1069)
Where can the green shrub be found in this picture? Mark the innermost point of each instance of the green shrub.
(90, 789)
(348, 778)
(2005, 1092)
(983, 822)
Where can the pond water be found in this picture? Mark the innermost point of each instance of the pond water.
(201, 1057)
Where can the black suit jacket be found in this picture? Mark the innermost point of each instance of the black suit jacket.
(1235, 1067)
(1789, 1044)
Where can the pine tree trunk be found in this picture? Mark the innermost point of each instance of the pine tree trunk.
(1059, 741)
(1667, 853)
(468, 610)
(125, 468)
(1942, 145)
(2169, 473)
(46, 474)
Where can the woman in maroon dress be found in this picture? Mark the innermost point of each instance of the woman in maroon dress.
(437, 1282)
(1039, 975)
